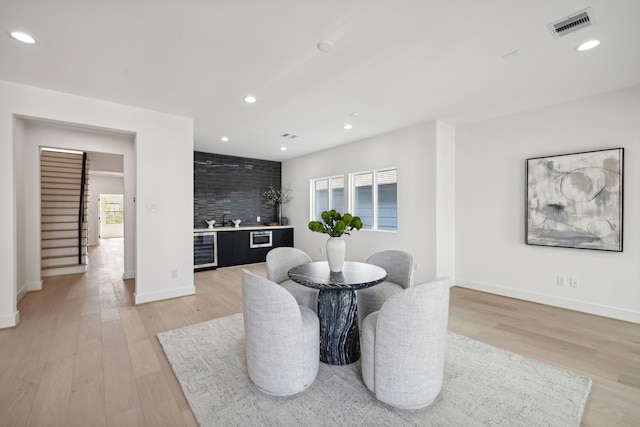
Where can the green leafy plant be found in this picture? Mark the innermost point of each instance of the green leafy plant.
(334, 224)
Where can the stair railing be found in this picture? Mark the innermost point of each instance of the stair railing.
(81, 209)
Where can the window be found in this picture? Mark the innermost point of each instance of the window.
(327, 193)
(387, 199)
(363, 198)
(114, 211)
(337, 193)
(375, 199)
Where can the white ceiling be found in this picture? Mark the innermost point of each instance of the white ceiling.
(396, 63)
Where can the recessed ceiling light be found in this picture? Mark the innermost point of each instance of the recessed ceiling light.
(23, 37)
(250, 99)
(224, 139)
(325, 46)
(348, 127)
(283, 148)
(355, 113)
(588, 45)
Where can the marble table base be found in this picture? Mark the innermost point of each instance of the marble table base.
(339, 336)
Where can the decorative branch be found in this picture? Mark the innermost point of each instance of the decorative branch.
(277, 196)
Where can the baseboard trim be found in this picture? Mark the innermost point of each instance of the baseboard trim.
(128, 275)
(22, 292)
(34, 286)
(585, 307)
(10, 321)
(162, 295)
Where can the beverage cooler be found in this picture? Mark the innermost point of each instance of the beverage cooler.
(205, 251)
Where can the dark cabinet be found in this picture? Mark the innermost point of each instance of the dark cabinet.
(234, 246)
(257, 255)
(225, 248)
(240, 247)
(283, 237)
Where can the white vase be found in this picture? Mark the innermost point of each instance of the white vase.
(336, 250)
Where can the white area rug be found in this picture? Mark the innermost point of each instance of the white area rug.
(483, 386)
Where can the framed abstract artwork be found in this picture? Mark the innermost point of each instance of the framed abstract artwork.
(575, 200)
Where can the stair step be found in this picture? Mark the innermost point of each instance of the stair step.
(61, 167)
(73, 264)
(70, 162)
(57, 161)
(62, 251)
(65, 261)
(58, 243)
(62, 203)
(48, 219)
(63, 271)
(62, 226)
(65, 204)
(52, 198)
(61, 211)
(60, 185)
(56, 174)
(55, 195)
(62, 155)
(53, 191)
(53, 224)
(61, 234)
(60, 180)
(60, 171)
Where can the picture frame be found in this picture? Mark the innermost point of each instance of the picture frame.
(575, 200)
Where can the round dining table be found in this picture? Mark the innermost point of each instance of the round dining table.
(337, 305)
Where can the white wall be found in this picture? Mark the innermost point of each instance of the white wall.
(445, 200)
(163, 178)
(20, 283)
(490, 208)
(413, 151)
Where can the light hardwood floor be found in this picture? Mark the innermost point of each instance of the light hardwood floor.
(84, 355)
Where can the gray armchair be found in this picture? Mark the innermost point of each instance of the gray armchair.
(281, 338)
(279, 262)
(399, 267)
(403, 346)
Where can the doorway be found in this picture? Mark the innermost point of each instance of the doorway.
(111, 216)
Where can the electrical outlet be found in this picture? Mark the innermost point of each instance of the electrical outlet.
(320, 250)
(174, 274)
(561, 281)
(258, 220)
(575, 282)
(416, 267)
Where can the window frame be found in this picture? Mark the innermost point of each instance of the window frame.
(374, 196)
(312, 189)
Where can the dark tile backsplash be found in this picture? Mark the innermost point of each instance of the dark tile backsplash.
(232, 185)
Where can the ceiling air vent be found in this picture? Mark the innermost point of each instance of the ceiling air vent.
(571, 23)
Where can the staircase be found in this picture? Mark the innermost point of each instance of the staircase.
(63, 225)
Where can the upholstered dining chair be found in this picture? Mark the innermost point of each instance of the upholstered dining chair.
(399, 267)
(279, 262)
(403, 346)
(281, 337)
